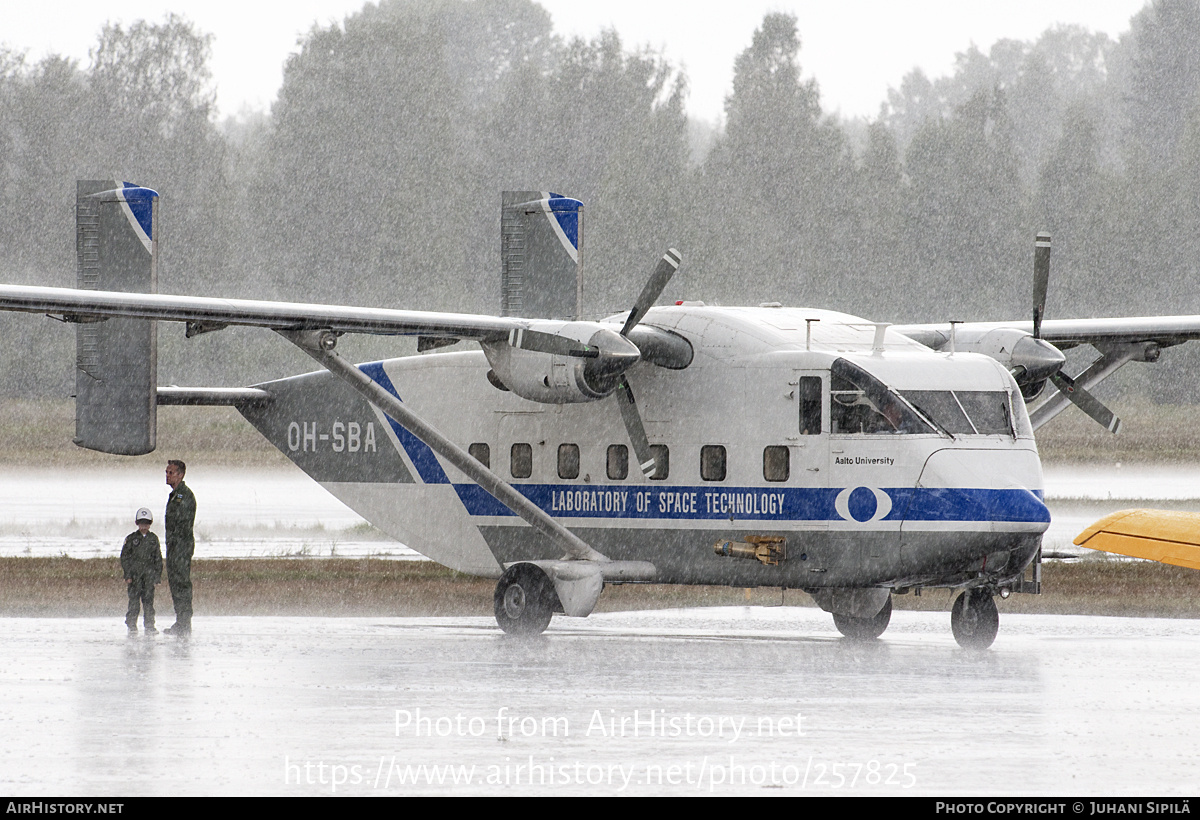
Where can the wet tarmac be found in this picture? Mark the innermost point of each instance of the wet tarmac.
(728, 701)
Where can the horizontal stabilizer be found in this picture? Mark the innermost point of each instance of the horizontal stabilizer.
(1156, 535)
(212, 396)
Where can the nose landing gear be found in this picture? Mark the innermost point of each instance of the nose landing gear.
(864, 629)
(974, 620)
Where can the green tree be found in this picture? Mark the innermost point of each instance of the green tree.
(966, 211)
(775, 212)
(1165, 78)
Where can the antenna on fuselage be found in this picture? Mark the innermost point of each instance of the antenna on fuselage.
(808, 323)
(880, 332)
(953, 323)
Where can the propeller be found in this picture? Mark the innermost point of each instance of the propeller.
(1074, 393)
(1041, 279)
(659, 277)
(662, 274)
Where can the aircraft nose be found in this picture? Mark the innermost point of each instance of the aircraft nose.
(1000, 487)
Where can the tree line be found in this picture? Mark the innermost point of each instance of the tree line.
(375, 179)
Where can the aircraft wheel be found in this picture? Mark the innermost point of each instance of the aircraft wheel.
(975, 619)
(864, 629)
(524, 600)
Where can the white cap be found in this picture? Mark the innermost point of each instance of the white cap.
(143, 515)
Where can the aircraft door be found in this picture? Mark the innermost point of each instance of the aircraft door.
(809, 436)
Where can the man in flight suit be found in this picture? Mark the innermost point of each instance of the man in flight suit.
(181, 515)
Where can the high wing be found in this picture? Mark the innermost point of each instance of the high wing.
(209, 312)
(1064, 334)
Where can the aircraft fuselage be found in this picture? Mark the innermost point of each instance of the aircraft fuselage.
(777, 428)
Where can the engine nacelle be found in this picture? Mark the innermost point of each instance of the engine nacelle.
(1030, 360)
(555, 378)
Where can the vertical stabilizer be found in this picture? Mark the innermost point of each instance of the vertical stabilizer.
(541, 242)
(116, 360)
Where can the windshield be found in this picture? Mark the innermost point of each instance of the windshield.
(966, 412)
(861, 404)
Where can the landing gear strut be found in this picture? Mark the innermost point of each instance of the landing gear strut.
(524, 600)
(975, 619)
(864, 629)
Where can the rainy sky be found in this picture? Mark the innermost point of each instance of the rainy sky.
(855, 49)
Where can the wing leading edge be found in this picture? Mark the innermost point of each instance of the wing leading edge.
(84, 305)
(1068, 333)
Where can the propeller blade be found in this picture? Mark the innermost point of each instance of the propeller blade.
(1041, 279)
(1086, 402)
(662, 274)
(550, 343)
(635, 428)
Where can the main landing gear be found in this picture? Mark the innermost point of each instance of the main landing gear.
(864, 629)
(524, 600)
(975, 619)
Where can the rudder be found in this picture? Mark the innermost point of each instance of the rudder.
(116, 360)
(540, 253)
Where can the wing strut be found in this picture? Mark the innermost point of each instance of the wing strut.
(320, 344)
(1074, 391)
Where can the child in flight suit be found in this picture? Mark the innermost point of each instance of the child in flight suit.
(141, 563)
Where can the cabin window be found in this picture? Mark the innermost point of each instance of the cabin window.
(712, 462)
(481, 453)
(618, 462)
(662, 461)
(861, 404)
(568, 461)
(809, 391)
(521, 460)
(777, 463)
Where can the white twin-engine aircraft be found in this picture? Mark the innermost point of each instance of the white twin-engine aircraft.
(767, 446)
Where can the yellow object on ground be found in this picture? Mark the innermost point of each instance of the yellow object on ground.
(1158, 535)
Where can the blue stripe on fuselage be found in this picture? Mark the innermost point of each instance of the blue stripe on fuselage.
(713, 503)
(760, 504)
(426, 463)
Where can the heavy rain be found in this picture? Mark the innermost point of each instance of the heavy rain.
(374, 179)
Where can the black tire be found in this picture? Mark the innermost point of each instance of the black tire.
(864, 629)
(524, 600)
(974, 620)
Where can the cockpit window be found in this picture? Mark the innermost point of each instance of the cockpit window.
(988, 410)
(864, 405)
(943, 409)
(966, 412)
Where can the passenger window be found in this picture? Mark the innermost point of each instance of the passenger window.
(568, 461)
(810, 405)
(712, 462)
(662, 461)
(618, 462)
(481, 453)
(777, 463)
(521, 460)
